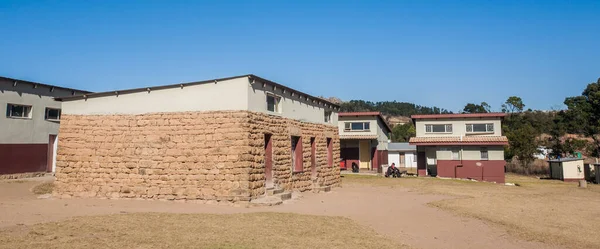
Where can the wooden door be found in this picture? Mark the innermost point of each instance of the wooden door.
(268, 161)
(364, 147)
(402, 161)
(51, 153)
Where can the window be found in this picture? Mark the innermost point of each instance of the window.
(357, 126)
(273, 103)
(18, 111)
(484, 154)
(52, 114)
(455, 154)
(327, 117)
(438, 128)
(480, 127)
(297, 154)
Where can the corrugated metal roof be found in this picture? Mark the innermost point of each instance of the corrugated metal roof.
(565, 160)
(473, 140)
(401, 147)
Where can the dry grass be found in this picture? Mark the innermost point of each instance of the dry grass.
(157, 230)
(548, 211)
(44, 188)
(538, 167)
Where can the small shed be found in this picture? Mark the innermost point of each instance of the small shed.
(567, 169)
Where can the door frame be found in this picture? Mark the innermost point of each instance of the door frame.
(268, 149)
(51, 158)
(362, 152)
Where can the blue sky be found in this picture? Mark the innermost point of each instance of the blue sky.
(438, 53)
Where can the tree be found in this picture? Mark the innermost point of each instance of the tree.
(475, 108)
(513, 104)
(523, 142)
(403, 132)
(584, 111)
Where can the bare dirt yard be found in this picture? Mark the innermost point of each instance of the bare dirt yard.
(367, 212)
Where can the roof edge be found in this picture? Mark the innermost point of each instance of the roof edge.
(42, 84)
(161, 87)
(359, 114)
(460, 115)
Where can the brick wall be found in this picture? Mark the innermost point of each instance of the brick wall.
(182, 156)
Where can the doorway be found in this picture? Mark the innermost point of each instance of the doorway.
(51, 162)
(313, 158)
(364, 154)
(421, 164)
(268, 161)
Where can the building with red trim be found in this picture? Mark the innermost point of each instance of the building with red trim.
(364, 138)
(469, 146)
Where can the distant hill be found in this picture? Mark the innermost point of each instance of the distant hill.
(394, 112)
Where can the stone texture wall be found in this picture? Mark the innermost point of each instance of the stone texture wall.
(182, 156)
(284, 176)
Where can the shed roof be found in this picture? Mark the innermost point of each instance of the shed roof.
(568, 159)
(401, 147)
(252, 77)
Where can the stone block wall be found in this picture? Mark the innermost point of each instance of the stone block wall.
(182, 156)
(284, 176)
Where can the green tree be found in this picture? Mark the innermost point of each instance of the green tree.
(522, 135)
(585, 113)
(523, 144)
(403, 132)
(513, 104)
(475, 108)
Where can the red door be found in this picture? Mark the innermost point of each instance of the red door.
(268, 161)
(313, 158)
(50, 161)
(421, 164)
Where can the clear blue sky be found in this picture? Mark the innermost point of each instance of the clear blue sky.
(426, 52)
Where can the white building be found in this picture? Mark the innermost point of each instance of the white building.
(403, 155)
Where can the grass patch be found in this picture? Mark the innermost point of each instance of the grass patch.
(548, 211)
(158, 230)
(44, 188)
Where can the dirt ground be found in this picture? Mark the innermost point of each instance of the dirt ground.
(402, 213)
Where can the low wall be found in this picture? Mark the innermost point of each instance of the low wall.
(490, 171)
(23, 158)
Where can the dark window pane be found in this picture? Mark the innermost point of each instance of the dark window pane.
(18, 111)
(367, 126)
(270, 103)
(53, 114)
(439, 128)
(479, 127)
(357, 126)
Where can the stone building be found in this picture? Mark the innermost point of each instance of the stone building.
(231, 139)
(30, 127)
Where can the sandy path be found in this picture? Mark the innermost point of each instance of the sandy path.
(398, 213)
